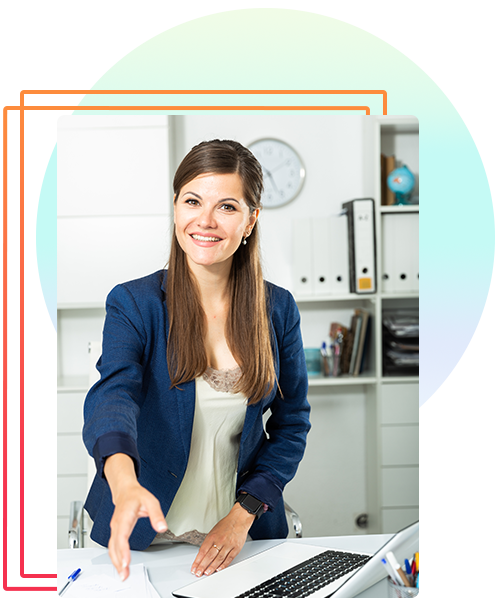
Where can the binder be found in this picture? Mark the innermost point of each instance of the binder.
(302, 249)
(400, 252)
(361, 236)
(322, 268)
(340, 255)
(414, 250)
(320, 256)
(363, 337)
(357, 324)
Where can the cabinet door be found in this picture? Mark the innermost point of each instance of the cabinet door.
(399, 486)
(399, 445)
(112, 165)
(399, 404)
(114, 199)
(395, 519)
(96, 253)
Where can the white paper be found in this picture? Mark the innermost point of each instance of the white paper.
(102, 581)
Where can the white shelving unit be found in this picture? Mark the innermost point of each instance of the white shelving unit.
(391, 424)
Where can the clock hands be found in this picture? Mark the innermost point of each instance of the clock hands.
(268, 173)
(279, 166)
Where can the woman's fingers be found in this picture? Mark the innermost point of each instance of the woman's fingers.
(130, 507)
(208, 558)
(223, 543)
(230, 556)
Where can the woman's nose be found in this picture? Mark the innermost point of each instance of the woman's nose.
(206, 218)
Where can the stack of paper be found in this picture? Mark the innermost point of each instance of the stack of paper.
(102, 581)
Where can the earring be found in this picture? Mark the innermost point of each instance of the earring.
(244, 242)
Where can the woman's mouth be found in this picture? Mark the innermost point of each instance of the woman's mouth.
(205, 238)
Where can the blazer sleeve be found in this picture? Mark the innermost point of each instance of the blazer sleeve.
(287, 427)
(111, 407)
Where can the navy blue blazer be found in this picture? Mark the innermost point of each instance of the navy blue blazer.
(132, 409)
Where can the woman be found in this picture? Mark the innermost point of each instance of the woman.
(191, 360)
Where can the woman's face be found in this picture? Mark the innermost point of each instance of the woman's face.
(211, 217)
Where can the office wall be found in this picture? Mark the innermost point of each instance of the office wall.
(329, 489)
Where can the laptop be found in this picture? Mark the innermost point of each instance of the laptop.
(296, 570)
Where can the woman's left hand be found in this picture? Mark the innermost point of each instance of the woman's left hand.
(224, 542)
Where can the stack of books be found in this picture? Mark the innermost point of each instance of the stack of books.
(355, 344)
(458, 574)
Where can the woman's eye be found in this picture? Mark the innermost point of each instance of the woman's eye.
(192, 201)
(227, 207)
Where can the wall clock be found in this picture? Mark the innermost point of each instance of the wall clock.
(283, 171)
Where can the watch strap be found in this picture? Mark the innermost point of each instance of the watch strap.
(251, 504)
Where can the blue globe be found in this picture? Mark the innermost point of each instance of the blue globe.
(401, 181)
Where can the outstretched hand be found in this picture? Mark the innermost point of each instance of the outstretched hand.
(132, 501)
(224, 542)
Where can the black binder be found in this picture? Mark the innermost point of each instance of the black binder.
(362, 248)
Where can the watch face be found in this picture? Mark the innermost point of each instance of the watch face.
(283, 171)
(251, 503)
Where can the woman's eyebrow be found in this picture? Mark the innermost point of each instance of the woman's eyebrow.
(222, 200)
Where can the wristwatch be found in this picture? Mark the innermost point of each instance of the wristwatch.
(251, 504)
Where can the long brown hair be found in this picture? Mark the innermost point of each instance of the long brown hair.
(247, 331)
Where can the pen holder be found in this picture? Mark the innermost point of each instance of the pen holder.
(327, 366)
(401, 591)
(313, 361)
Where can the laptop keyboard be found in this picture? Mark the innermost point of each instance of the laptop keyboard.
(308, 577)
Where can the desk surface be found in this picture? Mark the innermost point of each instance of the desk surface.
(169, 565)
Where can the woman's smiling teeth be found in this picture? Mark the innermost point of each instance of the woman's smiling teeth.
(203, 238)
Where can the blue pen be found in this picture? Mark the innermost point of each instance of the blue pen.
(407, 566)
(71, 578)
(408, 571)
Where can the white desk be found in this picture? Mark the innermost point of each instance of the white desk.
(169, 566)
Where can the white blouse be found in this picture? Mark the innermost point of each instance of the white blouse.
(206, 493)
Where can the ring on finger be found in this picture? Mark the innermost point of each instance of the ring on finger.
(217, 548)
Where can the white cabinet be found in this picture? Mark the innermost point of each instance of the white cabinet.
(113, 225)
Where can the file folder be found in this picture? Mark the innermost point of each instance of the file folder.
(361, 236)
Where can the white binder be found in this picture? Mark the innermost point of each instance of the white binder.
(322, 268)
(320, 256)
(340, 255)
(302, 250)
(400, 252)
(361, 231)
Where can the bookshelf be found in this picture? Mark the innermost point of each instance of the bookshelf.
(391, 421)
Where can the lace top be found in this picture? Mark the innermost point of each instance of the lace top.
(222, 380)
(206, 493)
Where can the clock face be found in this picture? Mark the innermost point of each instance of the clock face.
(283, 171)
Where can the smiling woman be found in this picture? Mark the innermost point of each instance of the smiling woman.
(192, 358)
(212, 219)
